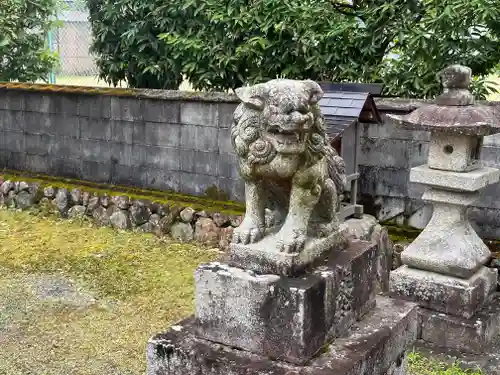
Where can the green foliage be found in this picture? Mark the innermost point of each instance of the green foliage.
(24, 53)
(446, 32)
(223, 44)
(127, 44)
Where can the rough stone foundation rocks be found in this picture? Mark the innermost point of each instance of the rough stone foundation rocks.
(120, 212)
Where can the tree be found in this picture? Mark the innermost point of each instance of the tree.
(223, 44)
(24, 53)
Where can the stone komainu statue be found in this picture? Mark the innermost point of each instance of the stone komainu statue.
(287, 163)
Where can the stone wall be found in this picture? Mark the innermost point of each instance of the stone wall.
(163, 140)
(179, 141)
(179, 221)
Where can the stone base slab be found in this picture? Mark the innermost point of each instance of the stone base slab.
(265, 258)
(446, 294)
(473, 335)
(282, 317)
(374, 346)
(461, 181)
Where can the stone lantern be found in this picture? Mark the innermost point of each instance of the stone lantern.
(444, 268)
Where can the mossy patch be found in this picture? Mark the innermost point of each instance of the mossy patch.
(400, 233)
(420, 365)
(214, 200)
(142, 284)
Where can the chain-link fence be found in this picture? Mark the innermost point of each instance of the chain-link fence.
(72, 41)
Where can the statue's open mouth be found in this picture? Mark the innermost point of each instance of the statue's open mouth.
(285, 136)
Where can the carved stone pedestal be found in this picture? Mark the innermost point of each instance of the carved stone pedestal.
(283, 317)
(454, 313)
(327, 321)
(376, 345)
(472, 335)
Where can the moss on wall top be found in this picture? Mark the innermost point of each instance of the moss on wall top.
(174, 95)
(211, 201)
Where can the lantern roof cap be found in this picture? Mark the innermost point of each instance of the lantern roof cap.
(454, 111)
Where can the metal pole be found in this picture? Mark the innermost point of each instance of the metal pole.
(52, 76)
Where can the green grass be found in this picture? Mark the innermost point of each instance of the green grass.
(420, 365)
(141, 285)
(127, 287)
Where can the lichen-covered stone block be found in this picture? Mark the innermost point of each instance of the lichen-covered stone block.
(265, 257)
(283, 317)
(446, 294)
(376, 345)
(474, 335)
(468, 182)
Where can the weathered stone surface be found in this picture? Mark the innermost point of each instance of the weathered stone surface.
(101, 216)
(76, 197)
(10, 199)
(468, 182)
(123, 202)
(396, 257)
(112, 209)
(375, 346)
(474, 335)
(163, 210)
(367, 228)
(171, 216)
(441, 293)
(22, 186)
(105, 200)
(459, 159)
(273, 151)
(282, 317)
(235, 220)
(220, 219)
(77, 212)
(93, 203)
(24, 200)
(225, 236)
(85, 198)
(139, 213)
(206, 231)
(264, 257)
(202, 213)
(155, 219)
(48, 192)
(6, 187)
(448, 245)
(147, 227)
(165, 224)
(187, 215)
(120, 220)
(182, 232)
(61, 201)
(454, 111)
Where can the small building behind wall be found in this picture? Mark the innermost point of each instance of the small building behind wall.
(345, 106)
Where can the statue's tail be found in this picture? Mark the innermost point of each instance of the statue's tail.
(336, 170)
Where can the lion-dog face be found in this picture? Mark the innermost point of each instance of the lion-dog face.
(286, 119)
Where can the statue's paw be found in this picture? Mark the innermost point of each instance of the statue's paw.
(291, 242)
(247, 234)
